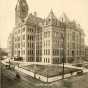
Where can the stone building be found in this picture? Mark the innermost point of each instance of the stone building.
(10, 45)
(59, 36)
(46, 40)
(86, 53)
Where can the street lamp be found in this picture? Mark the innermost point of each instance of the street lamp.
(1, 77)
(47, 74)
(35, 52)
(64, 46)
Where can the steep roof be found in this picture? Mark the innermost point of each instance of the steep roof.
(64, 17)
(22, 8)
(33, 19)
(51, 15)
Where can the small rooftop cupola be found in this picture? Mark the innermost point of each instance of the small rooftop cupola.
(51, 19)
(21, 10)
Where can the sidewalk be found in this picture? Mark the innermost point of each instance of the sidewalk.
(45, 79)
(51, 79)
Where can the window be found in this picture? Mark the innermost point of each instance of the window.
(31, 37)
(28, 52)
(73, 45)
(30, 29)
(44, 43)
(44, 51)
(48, 42)
(28, 44)
(23, 44)
(31, 45)
(62, 36)
(23, 37)
(23, 29)
(28, 37)
(31, 59)
(31, 52)
(56, 52)
(48, 51)
(18, 45)
(58, 42)
(15, 52)
(18, 31)
(55, 34)
(44, 60)
(73, 36)
(48, 60)
(46, 34)
(15, 39)
(68, 52)
(23, 52)
(61, 52)
(73, 53)
(18, 39)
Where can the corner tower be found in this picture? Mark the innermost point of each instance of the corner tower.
(50, 49)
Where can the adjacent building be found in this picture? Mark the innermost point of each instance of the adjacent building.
(46, 40)
(10, 45)
(86, 53)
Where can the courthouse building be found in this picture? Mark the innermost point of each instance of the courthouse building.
(46, 40)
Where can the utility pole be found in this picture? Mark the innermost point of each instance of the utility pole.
(35, 52)
(64, 46)
(1, 75)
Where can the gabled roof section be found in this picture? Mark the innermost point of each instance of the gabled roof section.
(51, 20)
(33, 19)
(64, 17)
(51, 15)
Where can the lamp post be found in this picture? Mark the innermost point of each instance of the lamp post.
(1, 76)
(64, 46)
(35, 53)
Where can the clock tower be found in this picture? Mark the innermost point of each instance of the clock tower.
(21, 11)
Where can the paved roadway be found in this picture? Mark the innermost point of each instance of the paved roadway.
(9, 80)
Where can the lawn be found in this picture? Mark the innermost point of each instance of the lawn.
(49, 71)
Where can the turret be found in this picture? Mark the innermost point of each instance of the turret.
(21, 11)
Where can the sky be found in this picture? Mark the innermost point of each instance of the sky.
(75, 9)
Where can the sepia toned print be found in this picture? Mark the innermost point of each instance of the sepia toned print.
(44, 52)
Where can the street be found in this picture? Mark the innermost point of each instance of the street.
(9, 80)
